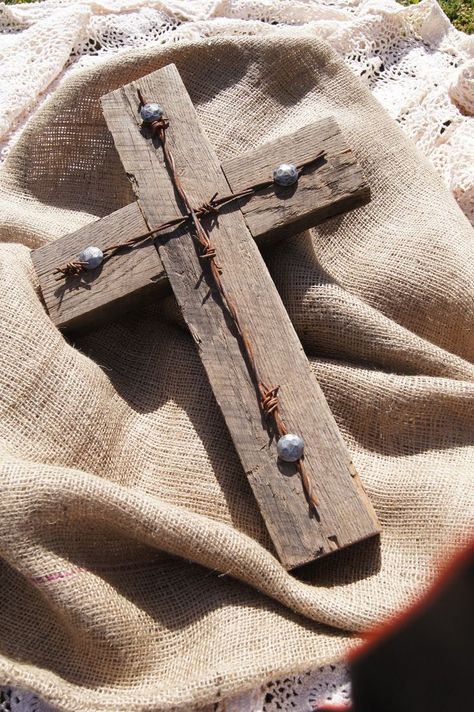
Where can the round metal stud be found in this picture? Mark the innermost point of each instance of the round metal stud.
(290, 447)
(285, 174)
(92, 257)
(151, 112)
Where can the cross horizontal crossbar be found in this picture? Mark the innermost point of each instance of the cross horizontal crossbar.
(128, 280)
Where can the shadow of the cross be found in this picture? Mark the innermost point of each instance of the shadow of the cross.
(353, 563)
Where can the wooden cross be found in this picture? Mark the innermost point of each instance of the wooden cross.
(300, 532)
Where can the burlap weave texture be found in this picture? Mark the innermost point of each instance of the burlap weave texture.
(136, 569)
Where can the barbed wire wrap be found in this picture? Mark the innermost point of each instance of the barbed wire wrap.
(74, 267)
(268, 395)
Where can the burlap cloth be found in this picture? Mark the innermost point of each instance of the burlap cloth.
(136, 571)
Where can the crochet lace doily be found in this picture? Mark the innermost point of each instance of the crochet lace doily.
(414, 61)
(324, 687)
(417, 65)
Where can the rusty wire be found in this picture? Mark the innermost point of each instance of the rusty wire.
(75, 267)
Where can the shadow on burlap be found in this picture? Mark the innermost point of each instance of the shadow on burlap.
(136, 570)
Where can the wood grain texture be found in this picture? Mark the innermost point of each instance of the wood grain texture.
(330, 186)
(128, 280)
(345, 515)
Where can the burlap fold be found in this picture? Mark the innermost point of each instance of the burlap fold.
(135, 568)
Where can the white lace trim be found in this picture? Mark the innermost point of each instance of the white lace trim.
(306, 692)
(327, 685)
(418, 66)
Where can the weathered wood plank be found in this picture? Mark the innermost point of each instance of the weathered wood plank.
(345, 515)
(79, 303)
(330, 186)
(333, 185)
